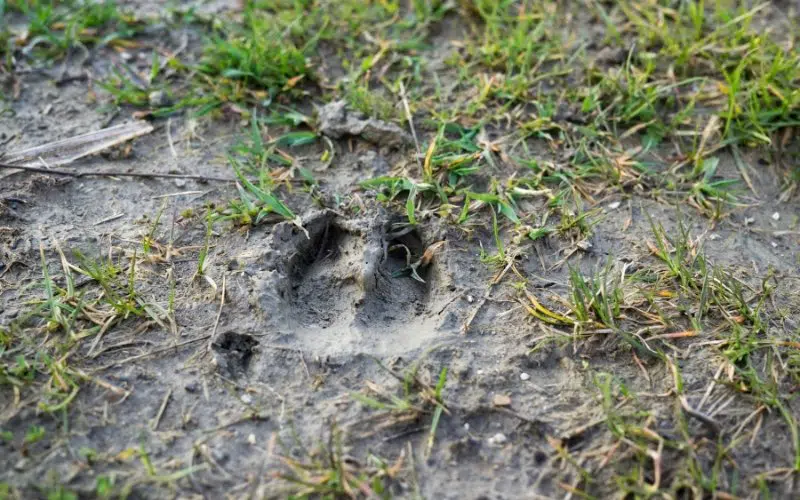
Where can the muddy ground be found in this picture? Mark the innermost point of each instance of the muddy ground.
(261, 355)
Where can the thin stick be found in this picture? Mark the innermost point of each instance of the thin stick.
(181, 193)
(157, 419)
(404, 434)
(100, 334)
(67, 173)
(468, 322)
(709, 422)
(410, 122)
(151, 353)
(641, 367)
(303, 360)
(102, 383)
(109, 219)
(710, 387)
(70, 149)
(742, 166)
(219, 314)
(169, 139)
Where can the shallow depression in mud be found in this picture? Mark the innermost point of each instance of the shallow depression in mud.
(324, 277)
(400, 288)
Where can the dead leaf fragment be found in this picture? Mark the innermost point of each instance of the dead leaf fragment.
(501, 400)
(429, 253)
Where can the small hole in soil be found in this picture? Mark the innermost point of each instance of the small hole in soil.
(234, 352)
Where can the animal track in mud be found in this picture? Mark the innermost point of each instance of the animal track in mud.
(357, 277)
(340, 285)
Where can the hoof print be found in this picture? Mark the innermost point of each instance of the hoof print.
(353, 284)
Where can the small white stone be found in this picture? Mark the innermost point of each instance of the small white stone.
(470, 299)
(480, 372)
(498, 438)
(466, 427)
(158, 99)
(251, 439)
(776, 216)
(246, 399)
(774, 245)
(524, 376)
(614, 205)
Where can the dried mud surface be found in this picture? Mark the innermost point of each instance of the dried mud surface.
(305, 314)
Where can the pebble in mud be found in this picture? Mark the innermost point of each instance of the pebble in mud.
(220, 455)
(524, 376)
(498, 439)
(158, 99)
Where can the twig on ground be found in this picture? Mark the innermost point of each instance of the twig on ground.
(410, 122)
(151, 353)
(219, 314)
(161, 410)
(153, 175)
(66, 151)
(709, 422)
